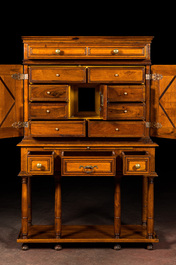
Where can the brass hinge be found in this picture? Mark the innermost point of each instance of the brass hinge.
(19, 76)
(153, 77)
(154, 125)
(20, 124)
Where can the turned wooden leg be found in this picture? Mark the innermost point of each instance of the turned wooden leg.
(144, 200)
(29, 202)
(117, 207)
(58, 206)
(24, 208)
(150, 222)
(24, 246)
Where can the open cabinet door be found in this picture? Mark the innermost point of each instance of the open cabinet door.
(11, 101)
(163, 101)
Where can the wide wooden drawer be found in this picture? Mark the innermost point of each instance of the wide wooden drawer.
(88, 166)
(126, 111)
(57, 74)
(48, 92)
(116, 74)
(119, 52)
(58, 129)
(136, 163)
(126, 93)
(116, 129)
(55, 52)
(48, 111)
(40, 164)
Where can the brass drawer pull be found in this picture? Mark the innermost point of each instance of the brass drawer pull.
(137, 166)
(125, 93)
(88, 167)
(116, 75)
(117, 129)
(57, 129)
(115, 51)
(125, 111)
(39, 165)
(57, 75)
(58, 51)
(48, 92)
(47, 111)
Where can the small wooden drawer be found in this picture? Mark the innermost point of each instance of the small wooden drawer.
(126, 111)
(48, 111)
(57, 74)
(40, 164)
(58, 129)
(55, 52)
(126, 93)
(136, 163)
(88, 166)
(116, 129)
(48, 92)
(119, 52)
(116, 74)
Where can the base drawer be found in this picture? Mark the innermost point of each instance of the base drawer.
(88, 166)
(40, 164)
(116, 129)
(136, 163)
(58, 129)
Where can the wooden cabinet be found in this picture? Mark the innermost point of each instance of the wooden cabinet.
(87, 106)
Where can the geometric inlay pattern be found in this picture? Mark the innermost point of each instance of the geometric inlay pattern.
(7, 101)
(167, 102)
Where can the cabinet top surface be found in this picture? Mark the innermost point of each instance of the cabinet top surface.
(88, 39)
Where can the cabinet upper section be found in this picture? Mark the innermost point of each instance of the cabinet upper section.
(87, 47)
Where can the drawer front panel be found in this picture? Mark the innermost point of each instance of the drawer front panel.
(126, 93)
(48, 92)
(126, 111)
(55, 52)
(58, 129)
(88, 166)
(136, 165)
(48, 111)
(121, 52)
(116, 74)
(40, 165)
(116, 129)
(57, 74)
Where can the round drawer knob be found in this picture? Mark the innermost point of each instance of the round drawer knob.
(125, 111)
(115, 51)
(39, 165)
(48, 92)
(125, 93)
(57, 75)
(48, 111)
(58, 51)
(117, 129)
(137, 166)
(116, 75)
(57, 129)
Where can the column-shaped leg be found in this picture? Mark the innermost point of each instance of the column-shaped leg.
(58, 210)
(29, 202)
(144, 200)
(150, 222)
(24, 208)
(117, 207)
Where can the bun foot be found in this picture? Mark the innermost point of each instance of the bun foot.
(25, 247)
(57, 247)
(117, 247)
(150, 246)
